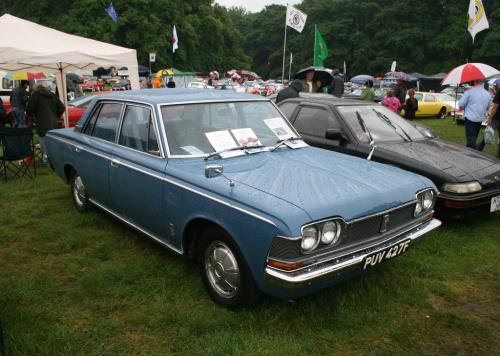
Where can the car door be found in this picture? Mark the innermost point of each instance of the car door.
(137, 171)
(313, 121)
(431, 106)
(94, 152)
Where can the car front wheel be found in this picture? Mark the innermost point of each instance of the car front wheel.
(224, 271)
(78, 192)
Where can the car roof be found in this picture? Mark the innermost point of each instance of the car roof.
(327, 99)
(172, 96)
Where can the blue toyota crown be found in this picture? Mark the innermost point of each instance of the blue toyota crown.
(223, 178)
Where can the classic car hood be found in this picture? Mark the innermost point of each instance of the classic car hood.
(459, 162)
(325, 183)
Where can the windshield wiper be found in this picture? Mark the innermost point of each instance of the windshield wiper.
(367, 133)
(280, 143)
(394, 126)
(244, 147)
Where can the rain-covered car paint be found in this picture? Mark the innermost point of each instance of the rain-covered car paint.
(262, 200)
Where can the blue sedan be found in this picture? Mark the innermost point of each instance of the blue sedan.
(224, 178)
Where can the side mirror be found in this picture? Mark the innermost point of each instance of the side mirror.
(213, 171)
(334, 134)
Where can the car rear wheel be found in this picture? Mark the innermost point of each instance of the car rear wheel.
(442, 113)
(78, 193)
(224, 271)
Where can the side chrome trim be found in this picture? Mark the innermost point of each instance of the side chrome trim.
(334, 267)
(165, 179)
(131, 224)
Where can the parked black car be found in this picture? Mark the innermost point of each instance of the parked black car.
(469, 180)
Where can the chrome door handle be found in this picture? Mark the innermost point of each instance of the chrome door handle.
(115, 163)
(78, 149)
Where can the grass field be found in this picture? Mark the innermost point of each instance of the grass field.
(74, 284)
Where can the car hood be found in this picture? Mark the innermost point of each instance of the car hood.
(460, 163)
(324, 183)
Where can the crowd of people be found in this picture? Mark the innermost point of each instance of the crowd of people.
(42, 106)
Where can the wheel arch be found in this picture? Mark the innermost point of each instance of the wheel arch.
(68, 169)
(192, 232)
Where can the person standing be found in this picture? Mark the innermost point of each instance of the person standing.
(411, 105)
(474, 103)
(308, 84)
(171, 83)
(368, 94)
(391, 102)
(18, 100)
(46, 107)
(494, 116)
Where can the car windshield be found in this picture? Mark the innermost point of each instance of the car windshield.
(82, 101)
(201, 129)
(445, 97)
(383, 124)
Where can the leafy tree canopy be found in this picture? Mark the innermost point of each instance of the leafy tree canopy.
(426, 36)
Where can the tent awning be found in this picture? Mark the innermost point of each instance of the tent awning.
(28, 46)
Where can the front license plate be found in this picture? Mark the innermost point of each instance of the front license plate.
(390, 252)
(495, 204)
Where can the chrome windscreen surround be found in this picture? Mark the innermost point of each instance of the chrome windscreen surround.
(329, 268)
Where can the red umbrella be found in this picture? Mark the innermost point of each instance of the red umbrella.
(468, 73)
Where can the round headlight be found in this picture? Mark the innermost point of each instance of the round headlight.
(330, 231)
(428, 199)
(309, 238)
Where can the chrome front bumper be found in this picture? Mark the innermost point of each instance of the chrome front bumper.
(340, 264)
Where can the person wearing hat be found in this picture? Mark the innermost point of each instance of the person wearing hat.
(18, 100)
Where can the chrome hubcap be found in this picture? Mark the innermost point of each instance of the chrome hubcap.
(222, 269)
(79, 191)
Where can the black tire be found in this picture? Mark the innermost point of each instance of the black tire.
(78, 193)
(442, 113)
(224, 271)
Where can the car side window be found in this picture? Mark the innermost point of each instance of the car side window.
(91, 123)
(315, 121)
(288, 109)
(418, 97)
(138, 130)
(429, 98)
(106, 123)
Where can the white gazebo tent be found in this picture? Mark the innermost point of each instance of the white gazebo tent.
(27, 46)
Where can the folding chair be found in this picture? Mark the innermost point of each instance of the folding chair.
(17, 152)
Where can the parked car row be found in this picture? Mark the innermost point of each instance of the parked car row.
(225, 179)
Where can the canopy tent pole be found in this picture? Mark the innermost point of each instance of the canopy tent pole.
(61, 90)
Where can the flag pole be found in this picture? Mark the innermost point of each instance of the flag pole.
(290, 68)
(284, 48)
(314, 52)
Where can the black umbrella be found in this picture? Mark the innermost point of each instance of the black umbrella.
(323, 74)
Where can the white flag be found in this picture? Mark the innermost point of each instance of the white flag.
(175, 40)
(296, 19)
(477, 18)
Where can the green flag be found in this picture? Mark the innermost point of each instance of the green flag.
(320, 50)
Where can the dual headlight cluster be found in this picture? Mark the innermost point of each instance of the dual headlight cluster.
(425, 202)
(324, 234)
